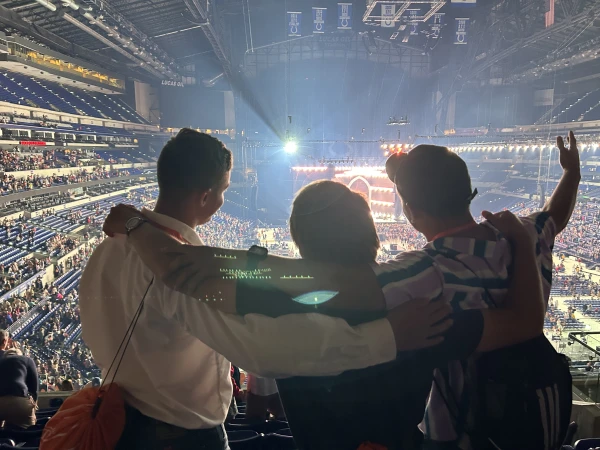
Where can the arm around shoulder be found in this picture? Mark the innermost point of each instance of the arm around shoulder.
(291, 345)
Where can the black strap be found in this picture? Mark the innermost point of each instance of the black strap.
(127, 338)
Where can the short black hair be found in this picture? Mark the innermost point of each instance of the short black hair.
(433, 179)
(192, 161)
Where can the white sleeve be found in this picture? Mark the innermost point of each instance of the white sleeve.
(292, 345)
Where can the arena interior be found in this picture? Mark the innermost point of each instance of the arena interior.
(91, 90)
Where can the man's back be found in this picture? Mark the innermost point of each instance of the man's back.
(470, 274)
(167, 374)
(18, 376)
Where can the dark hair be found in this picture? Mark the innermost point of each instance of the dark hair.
(432, 179)
(330, 222)
(192, 161)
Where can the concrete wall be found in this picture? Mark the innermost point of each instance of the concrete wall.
(143, 102)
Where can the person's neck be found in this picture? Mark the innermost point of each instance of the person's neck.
(448, 224)
(177, 210)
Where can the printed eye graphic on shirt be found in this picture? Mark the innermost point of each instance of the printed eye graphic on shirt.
(315, 298)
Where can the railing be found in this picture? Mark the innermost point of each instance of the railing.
(584, 350)
(22, 323)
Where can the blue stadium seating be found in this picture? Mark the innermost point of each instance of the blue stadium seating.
(26, 90)
(579, 108)
(9, 255)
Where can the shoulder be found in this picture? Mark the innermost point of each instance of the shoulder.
(406, 266)
(108, 248)
(409, 262)
(540, 224)
(29, 361)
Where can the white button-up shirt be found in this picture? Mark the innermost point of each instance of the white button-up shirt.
(176, 368)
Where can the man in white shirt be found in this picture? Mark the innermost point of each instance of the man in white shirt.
(176, 370)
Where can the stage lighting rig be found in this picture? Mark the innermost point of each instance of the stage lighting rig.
(290, 147)
(403, 120)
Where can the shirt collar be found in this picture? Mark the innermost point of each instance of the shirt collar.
(187, 232)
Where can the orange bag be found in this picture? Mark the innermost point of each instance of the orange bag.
(81, 424)
(92, 418)
(371, 446)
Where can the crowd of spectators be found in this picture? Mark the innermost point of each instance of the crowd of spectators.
(226, 231)
(401, 234)
(60, 358)
(59, 245)
(57, 357)
(19, 271)
(12, 309)
(13, 161)
(10, 184)
(23, 159)
(581, 236)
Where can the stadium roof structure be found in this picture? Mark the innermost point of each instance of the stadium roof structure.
(158, 39)
(513, 33)
(512, 44)
(147, 39)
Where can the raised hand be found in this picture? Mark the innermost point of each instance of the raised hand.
(569, 157)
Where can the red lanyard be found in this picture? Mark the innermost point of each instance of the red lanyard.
(455, 230)
(176, 234)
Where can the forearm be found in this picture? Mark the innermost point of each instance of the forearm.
(562, 202)
(155, 248)
(329, 346)
(522, 315)
(293, 276)
(292, 345)
(184, 268)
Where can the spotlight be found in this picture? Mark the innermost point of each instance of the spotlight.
(290, 147)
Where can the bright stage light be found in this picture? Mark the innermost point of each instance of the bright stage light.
(290, 147)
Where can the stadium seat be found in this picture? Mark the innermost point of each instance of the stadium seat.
(267, 426)
(570, 434)
(238, 427)
(56, 402)
(16, 447)
(21, 435)
(587, 444)
(275, 441)
(241, 435)
(42, 421)
(251, 443)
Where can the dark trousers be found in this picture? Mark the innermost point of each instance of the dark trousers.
(144, 433)
(433, 445)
